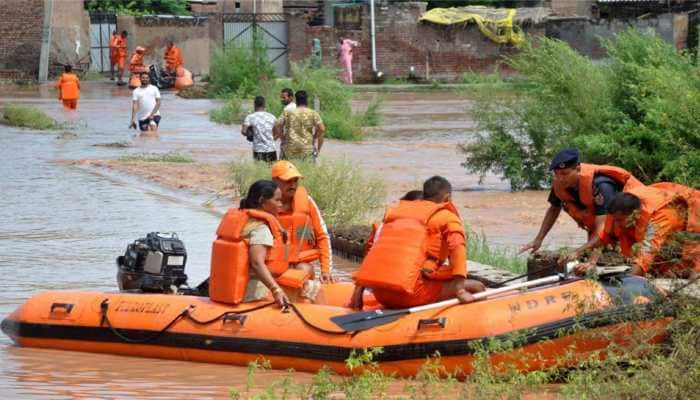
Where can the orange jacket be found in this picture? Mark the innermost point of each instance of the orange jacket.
(229, 256)
(416, 238)
(586, 217)
(136, 64)
(113, 47)
(68, 86)
(173, 58)
(662, 213)
(122, 44)
(308, 235)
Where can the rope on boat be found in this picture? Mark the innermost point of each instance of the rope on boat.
(186, 313)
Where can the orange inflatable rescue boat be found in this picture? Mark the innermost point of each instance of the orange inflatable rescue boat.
(305, 337)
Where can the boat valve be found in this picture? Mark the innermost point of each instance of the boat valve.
(441, 322)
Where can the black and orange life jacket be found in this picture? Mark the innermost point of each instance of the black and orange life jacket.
(302, 241)
(229, 256)
(585, 217)
(405, 249)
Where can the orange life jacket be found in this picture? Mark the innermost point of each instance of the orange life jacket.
(122, 45)
(302, 240)
(585, 217)
(405, 249)
(652, 199)
(229, 255)
(136, 64)
(68, 87)
(113, 44)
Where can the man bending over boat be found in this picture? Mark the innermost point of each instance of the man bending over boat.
(406, 265)
(299, 215)
(249, 256)
(659, 226)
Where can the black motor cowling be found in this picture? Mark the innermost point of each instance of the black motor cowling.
(154, 264)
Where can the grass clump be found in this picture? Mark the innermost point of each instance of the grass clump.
(480, 251)
(344, 193)
(238, 68)
(170, 157)
(28, 117)
(637, 111)
(230, 113)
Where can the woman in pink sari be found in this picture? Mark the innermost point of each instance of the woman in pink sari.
(345, 47)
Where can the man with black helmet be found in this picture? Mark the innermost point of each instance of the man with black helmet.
(584, 191)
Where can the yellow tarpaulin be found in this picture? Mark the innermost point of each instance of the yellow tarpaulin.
(494, 23)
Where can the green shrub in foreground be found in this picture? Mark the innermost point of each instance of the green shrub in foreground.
(27, 117)
(344, 193)
(230, 113)
(637, 111)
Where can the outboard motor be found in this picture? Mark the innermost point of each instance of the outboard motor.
(154, 264)
(160, 78)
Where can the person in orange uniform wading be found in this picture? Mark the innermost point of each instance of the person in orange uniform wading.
(173, 58)
(585, 192)
(659, 226)
(406, 265)
(308, 235)
(113, 53)
(122, 45)
(68, 86)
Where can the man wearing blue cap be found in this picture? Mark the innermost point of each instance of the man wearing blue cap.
(585, 192)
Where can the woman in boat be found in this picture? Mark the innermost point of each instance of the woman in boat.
(262, 196)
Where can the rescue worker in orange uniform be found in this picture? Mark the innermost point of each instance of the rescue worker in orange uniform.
(250, 254)
(585, 192)
(136, 65)
(113, 53)
(122, 45)
(68, 86)
(308, 235)
(657, 225)
(173, 58)
(406, 265)
(377, 228)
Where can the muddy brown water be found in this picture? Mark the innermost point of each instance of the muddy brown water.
(62, 225)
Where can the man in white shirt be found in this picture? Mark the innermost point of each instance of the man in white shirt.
(287, 99)
(261, 122)
(145, 106)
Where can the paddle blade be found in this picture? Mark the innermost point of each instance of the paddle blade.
(367, 319)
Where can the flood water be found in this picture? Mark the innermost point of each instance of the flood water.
(62, 226)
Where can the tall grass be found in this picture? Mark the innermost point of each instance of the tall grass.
(28, 117)
(170, 157)
(230, 113)
(480, 251)
(344, 193)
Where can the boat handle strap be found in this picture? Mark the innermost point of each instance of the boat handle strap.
(66, 307)
(441, 322)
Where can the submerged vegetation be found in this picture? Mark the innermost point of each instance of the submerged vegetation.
(170, 157)
(28, 117)
(639, 370)
(344, 192)
(638, 111)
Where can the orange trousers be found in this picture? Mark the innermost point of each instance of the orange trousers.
(70, 104)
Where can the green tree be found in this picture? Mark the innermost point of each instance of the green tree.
(139, 7)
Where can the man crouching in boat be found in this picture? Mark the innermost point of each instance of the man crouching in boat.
(657, 225)
(299, 215)
(405, 266)
(249, 256)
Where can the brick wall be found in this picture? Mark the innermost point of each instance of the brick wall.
(402, 42)
(20, 38)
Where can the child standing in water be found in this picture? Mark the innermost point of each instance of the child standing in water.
(68, 86)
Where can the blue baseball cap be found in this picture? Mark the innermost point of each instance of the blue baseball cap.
(566, 158)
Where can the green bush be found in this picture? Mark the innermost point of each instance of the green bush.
(141, 7)
(637, 111)
(238, 68)
(28, 117)
(344, 193)
(231, 112)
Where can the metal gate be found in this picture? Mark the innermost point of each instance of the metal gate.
(101, 27)
(272, 28)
